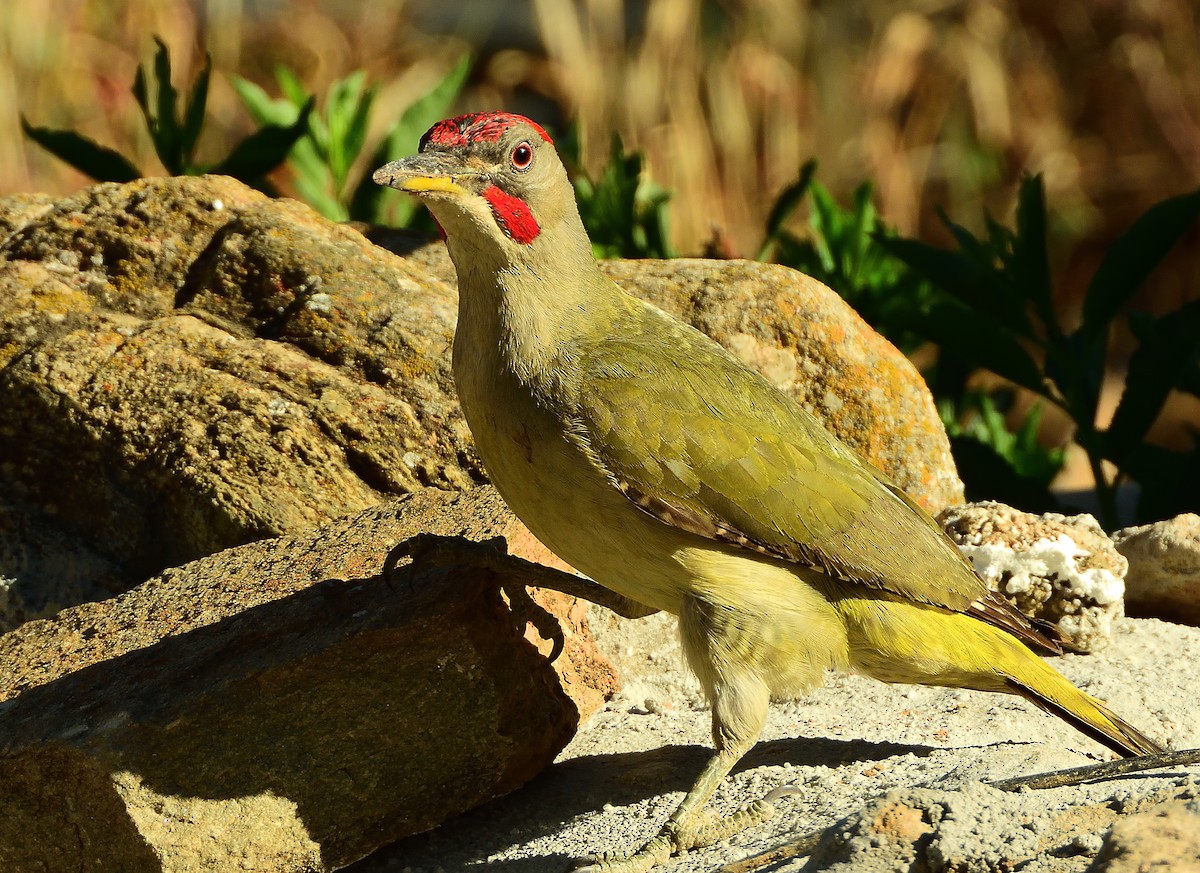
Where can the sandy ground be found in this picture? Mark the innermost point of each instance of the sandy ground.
(846, 744)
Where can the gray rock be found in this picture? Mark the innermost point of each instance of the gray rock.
(981, 828)
(1164, 568)
(283, 706)
(1060, 569)
(1165, 837)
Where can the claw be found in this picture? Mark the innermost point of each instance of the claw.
(782, 791)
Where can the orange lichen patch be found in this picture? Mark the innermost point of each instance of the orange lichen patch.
(902, 823)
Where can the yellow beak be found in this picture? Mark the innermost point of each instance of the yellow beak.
(421, 184)
(420, 174)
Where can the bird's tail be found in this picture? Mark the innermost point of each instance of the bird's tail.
(1048, 689)
(901, 641)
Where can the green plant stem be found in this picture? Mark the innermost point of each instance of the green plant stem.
(1106, 492)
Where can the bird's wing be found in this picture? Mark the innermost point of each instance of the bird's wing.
(753, 469)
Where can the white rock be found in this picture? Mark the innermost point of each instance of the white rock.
(1061, 569)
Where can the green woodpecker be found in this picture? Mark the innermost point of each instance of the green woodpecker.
(650, 459)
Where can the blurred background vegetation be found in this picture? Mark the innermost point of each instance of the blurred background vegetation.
(940, 105)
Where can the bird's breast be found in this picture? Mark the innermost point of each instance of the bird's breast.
(561, 495)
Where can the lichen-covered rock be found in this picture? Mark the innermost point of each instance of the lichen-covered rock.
(1060, 569)
(1164, 568)
(283, 706)
(33, 549)
(158, 441)
(152, 431)
(130, 246)
(18, 210)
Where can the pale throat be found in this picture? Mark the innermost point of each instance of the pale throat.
(522, 303)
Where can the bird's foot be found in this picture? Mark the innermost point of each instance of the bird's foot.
(649, 856)
(692, 832)
(710, 829)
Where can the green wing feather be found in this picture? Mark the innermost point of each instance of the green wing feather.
(731, 458)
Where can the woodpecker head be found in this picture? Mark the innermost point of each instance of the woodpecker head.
(493, 182)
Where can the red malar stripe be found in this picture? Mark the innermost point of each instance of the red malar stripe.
(513, 215)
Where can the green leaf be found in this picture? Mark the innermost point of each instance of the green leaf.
(263, 108)
(255, 100)
(371, 202)
(1030, 261)
(823, 218)
(843, 251)
(142, 96)
(313, 180)
(88, 157)
(1154, 369)
(1076, 367)
(291, 86)
(166, 128)
(367, 203)
(344, 98)
(1000, 238)
(968, 275)
(264, 150)
(1189, 379)
(994, 462)
(318, 194)
(356, 130)
(948, 270)
(988, 475)
(860, 228)
(1133, 257)
(194, 113)
(1170, 481)
(1141, 325)
(786, 204)
(980, 341)
(991, 265)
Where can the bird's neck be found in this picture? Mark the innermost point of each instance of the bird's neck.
(522, 309)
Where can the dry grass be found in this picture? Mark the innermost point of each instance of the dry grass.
(942, 103)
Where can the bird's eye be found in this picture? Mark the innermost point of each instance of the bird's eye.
(522, 156)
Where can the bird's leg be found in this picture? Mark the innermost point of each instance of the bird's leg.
(739, 712)
(740, 701)
(693, 825)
